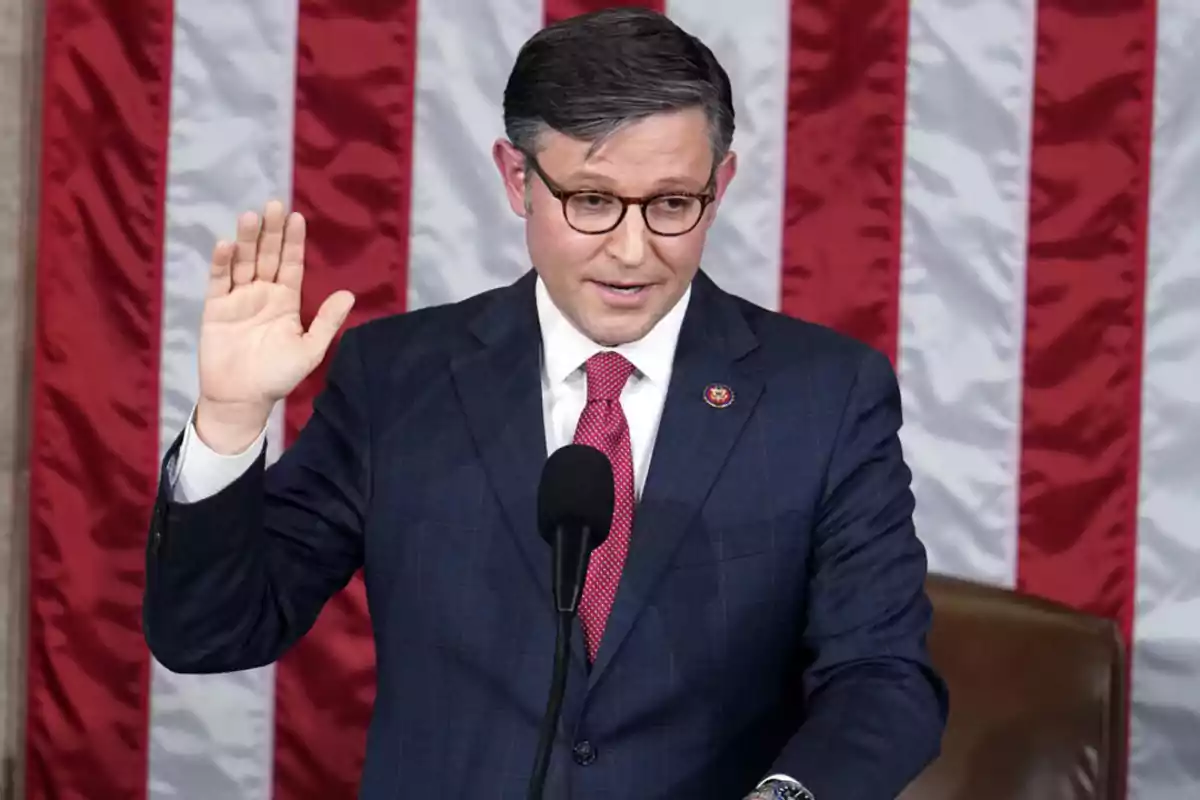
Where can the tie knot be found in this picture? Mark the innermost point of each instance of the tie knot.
(606, 376)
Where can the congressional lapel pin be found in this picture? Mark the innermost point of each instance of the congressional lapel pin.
(718, 395)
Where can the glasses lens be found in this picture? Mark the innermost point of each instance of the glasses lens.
(673, 214)
(593, 213)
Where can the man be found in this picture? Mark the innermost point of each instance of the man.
(754, 624)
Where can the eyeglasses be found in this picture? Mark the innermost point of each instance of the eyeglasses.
(593, 212)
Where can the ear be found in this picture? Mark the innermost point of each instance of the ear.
(511, 163)
(725, 172)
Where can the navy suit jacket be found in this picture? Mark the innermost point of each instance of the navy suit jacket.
(771, 616)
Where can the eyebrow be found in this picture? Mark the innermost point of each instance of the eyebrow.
(673, 183)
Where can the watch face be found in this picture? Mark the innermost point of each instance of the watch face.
(791, 791)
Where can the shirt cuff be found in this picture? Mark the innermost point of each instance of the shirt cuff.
(201, 472)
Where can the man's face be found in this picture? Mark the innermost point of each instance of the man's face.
(616, 286)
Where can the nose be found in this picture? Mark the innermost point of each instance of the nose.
(627, 242)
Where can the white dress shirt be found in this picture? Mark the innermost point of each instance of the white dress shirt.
(201, 472)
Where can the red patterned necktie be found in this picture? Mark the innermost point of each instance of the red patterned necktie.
(603, 426)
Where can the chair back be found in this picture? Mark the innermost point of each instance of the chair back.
(1037, 698)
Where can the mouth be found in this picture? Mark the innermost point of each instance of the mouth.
(623, 297)
(623, 289)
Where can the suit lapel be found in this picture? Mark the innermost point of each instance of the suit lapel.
(693, 442)
(499, 387)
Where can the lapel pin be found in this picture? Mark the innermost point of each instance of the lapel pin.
(718, 395)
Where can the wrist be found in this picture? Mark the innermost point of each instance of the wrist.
(229, 428)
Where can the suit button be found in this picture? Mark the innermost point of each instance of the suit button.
(584, 753)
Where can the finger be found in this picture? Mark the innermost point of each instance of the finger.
(329, 319)
(270, 241)
(220, 269)
(291, 261)
(245, 248)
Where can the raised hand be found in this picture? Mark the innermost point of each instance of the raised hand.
(254, 349)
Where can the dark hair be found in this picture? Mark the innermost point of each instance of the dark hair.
(589, 75)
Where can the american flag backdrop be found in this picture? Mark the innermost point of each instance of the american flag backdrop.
(1002, 195)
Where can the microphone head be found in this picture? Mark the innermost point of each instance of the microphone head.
(576, 491)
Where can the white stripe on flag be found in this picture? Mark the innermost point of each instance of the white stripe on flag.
(751, 40)
(464, 237)
(962, 295)
(230, 150)
(1165, 731)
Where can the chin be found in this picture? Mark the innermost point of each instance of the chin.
(615, 332)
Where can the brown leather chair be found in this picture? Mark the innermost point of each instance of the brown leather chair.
(1037, 699)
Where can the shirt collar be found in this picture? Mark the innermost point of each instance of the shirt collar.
(565, 348)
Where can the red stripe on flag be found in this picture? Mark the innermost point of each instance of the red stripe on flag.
(353, 149)
(558, 10)
(95, 446)
(1084, 323)
(845, 160)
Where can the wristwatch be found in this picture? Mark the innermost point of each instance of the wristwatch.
(781, 790)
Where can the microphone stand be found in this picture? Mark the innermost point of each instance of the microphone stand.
(568, 588)
(558, 685)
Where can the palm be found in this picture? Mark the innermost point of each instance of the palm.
(250, 344)
(253, 347)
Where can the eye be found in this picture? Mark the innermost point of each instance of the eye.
(592, 202)
(675, 204)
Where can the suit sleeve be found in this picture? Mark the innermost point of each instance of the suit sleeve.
(876, 709)
(234, 579)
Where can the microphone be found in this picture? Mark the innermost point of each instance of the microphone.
(575, 508)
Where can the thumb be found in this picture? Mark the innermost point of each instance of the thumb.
(329, 319)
